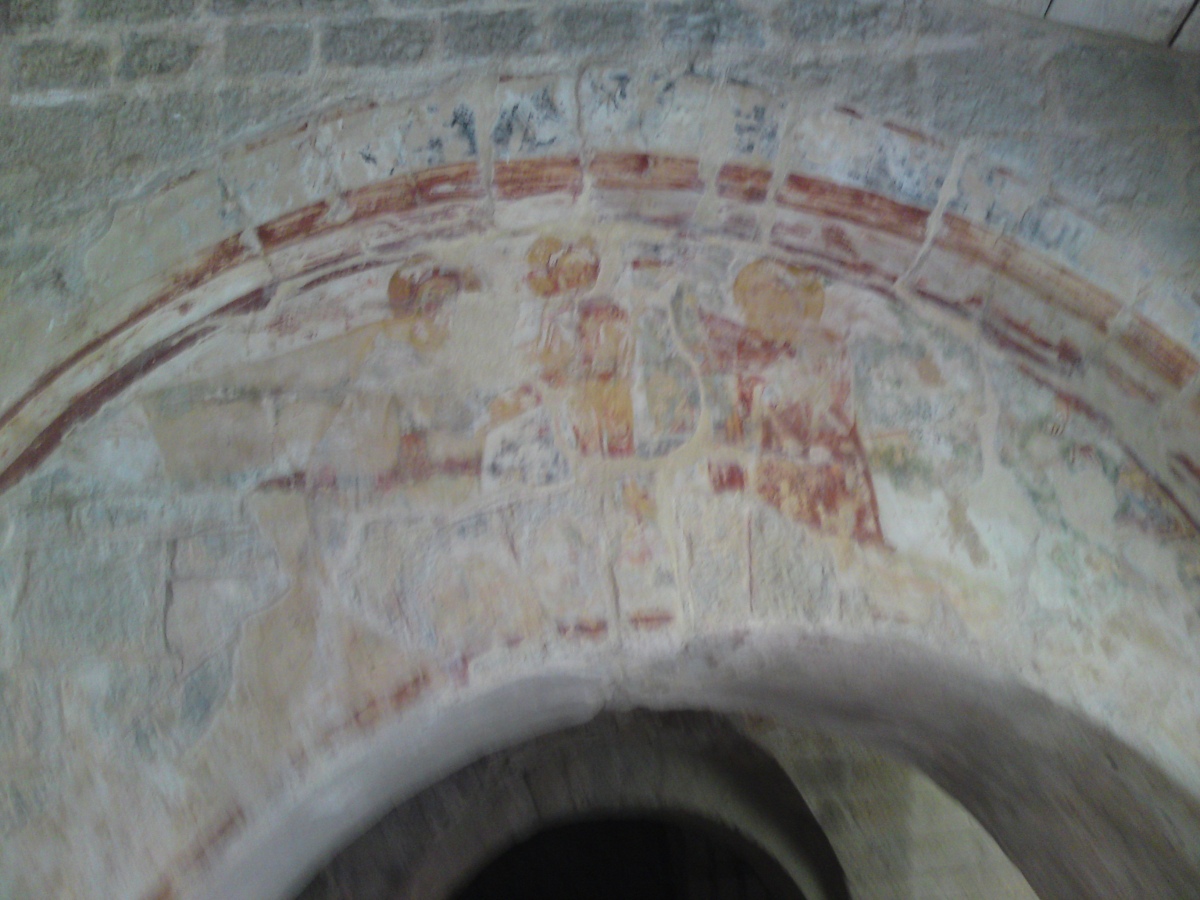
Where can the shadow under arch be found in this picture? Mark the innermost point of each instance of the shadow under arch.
(675, 775)
(1080, 813)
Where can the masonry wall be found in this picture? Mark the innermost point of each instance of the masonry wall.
(293, 294)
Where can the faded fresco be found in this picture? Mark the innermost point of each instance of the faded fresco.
(582, 435)
(421, 468)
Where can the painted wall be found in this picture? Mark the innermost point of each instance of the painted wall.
(833, 362)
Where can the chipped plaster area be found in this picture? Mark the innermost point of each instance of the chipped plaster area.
(508, 449)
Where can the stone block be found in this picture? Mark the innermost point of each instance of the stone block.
(155, 56)
(1154, 21)
(88, 596)
(21, 14)
(133, 10)
(260, 49)
(1106, 86)
(377, 42)
(234, 7)
(475, 34)
(1114, 168)
(211, 441)
(935, 18)
(536, 119)
(599, 25)
(241, 109)
(1189, 35)
(523, 452)
(45, 65)
(973, 91)
(717, 561)
(707, 23)
(895, 162)
(829, 21)
(141, 131)
(53, 141)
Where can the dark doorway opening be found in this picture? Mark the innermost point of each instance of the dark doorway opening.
(632, 859)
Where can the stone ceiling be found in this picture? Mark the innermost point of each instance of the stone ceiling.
(1174, 23)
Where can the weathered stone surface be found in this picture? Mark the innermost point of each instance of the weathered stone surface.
(377, 42)
(524, 451)
(133, 10)
(606, 25)
(1006, 94)
(536, 121)
(232, 7)
(254, 49)
(473, 34)
(141, 131)
(43, 65)
(91, 598)
(1139, 89)
(155, 57)
(706, 24)
(826, 22)
(23, 14)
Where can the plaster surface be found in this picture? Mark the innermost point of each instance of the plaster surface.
(336, 455)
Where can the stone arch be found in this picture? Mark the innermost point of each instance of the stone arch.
(696, 770)
(841, 345)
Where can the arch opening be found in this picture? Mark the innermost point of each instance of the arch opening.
(647, 858)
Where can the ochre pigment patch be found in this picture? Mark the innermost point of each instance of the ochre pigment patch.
(779, 300)
(602, 417)
(559, 268)
(834, 498)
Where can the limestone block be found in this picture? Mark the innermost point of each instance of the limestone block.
(919, 409)
(476, 592)
(568, 569)
(178, 228)
(611, 25)
(991, 194)
(90, 596)
(535, 118)
(476, 35)
(523, 451)
(707, 24)
(136, 11)
(260, 49)
(276, 177)
(1174, 309)
(205, 613)
(884, 158)
(1189, 37)
(381, 576)
(1139, 88)
(831, 22)
(212, 440)
(116, 448)
(141, 133)
(758, 121)
(365, 439)
(385, 43)
(157, 57)
(27, 14)
(365, 146)
(716, 557)
(648, 597)
(1006, 91)
(1149, 20)
(45, 65)
(666, 392)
